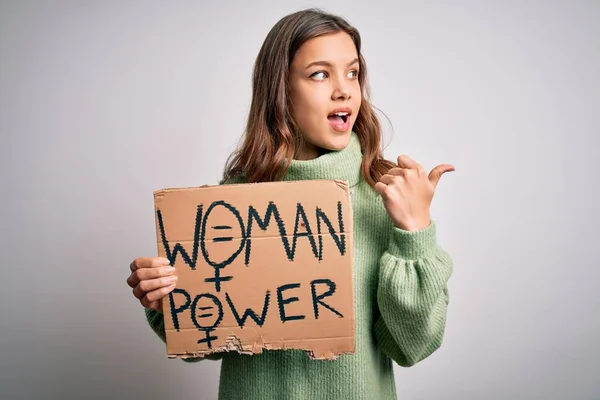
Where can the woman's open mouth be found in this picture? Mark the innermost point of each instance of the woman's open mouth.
(339, 119)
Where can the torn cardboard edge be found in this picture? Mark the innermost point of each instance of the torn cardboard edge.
(234, 344)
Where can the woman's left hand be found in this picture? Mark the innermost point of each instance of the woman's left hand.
(407, 191)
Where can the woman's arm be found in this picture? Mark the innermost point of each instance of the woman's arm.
(412, 296)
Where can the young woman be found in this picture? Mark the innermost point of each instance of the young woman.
(310, 118)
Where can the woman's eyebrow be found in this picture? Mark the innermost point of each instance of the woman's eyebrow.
(327, 63)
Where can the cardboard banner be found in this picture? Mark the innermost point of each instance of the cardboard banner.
(259, 266)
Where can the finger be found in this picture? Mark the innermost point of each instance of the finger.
(437, 172)
(390, 179)
(380, 188)
(156, 294)
(407, 171)
(144, 287)
(148, 262)
(397, 171)
(143, 274)
(153, 305)
(405, 161)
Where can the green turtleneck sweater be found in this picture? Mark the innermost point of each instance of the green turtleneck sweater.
(401, 298)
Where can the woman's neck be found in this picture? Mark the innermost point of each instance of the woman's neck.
(342, 164)
(309, 151)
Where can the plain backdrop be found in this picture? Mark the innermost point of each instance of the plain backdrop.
(103, 102)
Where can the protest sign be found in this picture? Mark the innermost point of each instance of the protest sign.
(263, 266)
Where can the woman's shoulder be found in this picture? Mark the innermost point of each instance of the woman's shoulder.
(366, 201)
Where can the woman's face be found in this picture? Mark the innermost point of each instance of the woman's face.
(325, 93)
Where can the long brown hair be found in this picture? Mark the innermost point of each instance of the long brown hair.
(272, 137)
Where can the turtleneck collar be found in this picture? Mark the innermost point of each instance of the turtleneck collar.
(342, 164)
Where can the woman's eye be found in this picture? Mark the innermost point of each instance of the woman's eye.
(319, 75)
(352, 74)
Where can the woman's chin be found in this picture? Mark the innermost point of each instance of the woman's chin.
(328, 143)
(336, 143)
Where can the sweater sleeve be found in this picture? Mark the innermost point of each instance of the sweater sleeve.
(412, 296)
(156, 318)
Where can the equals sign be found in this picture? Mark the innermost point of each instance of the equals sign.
(222, 238)
(205, 314)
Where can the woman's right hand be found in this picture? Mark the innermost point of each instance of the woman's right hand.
(151, 278)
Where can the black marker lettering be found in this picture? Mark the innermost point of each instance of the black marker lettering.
(217, 279)
(209, 328)
(249, 312)
(300, 213)
(318, 299)
(282, 302)
(340, 240)
(263, 224)
(175, 311)
(178, 248)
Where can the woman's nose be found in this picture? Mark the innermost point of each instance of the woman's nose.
(340, 93)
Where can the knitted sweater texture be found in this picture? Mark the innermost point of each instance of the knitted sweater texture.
(401, 300)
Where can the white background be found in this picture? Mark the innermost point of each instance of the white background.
(103, 102)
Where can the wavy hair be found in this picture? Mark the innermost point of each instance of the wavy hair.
(272, 136)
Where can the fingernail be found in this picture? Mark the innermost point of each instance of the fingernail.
(172, 278)
(165, 261)
(170, 269)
